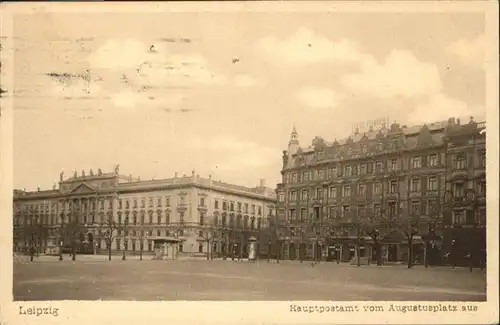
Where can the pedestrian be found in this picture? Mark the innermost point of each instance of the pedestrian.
(32, 253)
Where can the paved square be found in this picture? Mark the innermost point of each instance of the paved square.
(96, 278)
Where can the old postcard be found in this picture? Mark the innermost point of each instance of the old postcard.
(249, 162)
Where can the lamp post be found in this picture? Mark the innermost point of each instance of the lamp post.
(269, 245)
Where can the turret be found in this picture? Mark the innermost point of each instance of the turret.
(293, 144)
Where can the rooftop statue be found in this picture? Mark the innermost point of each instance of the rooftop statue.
(99, 172)
(61, 176)
(91, 172)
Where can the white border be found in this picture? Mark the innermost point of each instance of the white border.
(246, 312)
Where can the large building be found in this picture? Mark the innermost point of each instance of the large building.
(102, 209)
(375, 188)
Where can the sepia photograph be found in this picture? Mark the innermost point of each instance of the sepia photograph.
(243, 155)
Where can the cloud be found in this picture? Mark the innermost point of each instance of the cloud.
(130, 99)
(440, 107)
(306, 47)
(319, 97)
(152, 64)
(234, 154)
(401, 75)
(471, 52)
(244, 81)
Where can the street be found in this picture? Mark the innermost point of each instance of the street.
(94, 278)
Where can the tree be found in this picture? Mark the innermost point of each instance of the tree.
(175, 230)
(277, 233)
(141, 236)
(208, 235)
(374, 226)
(408, 225)
(109, 230)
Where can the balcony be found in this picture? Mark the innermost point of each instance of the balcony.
(457, 174)
(202, 207)
(432, 193)
(182, 207)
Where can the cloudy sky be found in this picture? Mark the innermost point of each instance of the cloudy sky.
(219, 92)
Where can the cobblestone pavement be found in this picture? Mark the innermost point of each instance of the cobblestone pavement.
(93, 278)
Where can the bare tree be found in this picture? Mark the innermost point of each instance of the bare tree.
(208, 235)
(408, 225)
(109, 230)
(175, 230)
(141, 236)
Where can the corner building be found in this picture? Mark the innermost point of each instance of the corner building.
(204, 212)
(434, 173)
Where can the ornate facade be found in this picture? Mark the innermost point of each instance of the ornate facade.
(199, 212)
(337, 197)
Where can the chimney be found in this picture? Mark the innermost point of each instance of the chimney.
(357, 131)
(262, 183)
(458, 121)
(38, 188)
(176, 174)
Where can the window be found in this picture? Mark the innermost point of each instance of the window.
(304, 195)
(378, 167)
(332, 172)
(158, 232)
(200, 248)
(167, 203)
(369, 168)
(394, 164)
(158, 218)
(333, 213)
(202, 201)
(303, 215)
(376, 210)
(365, 149)
(293, 197)
(127, 205)
(433, 160)
(253, 205)
(346, 191)
(294, 178)
(482, 158)
(362, 169)
(216, 204)
(481, 188)
(361, 210)
(415, 208)
(246, 207)
(377, 188)
(481, 216)
(119, 205)
(224, 219)
(416, 162)
(305, 176)
(459, 218)
(321, 174)
(150, 202)
(393, 187)
(281, 197)
(432, 208)
(345, 211)
(291, 215)
(432, 185)
(332, 192)
(231, 206)
(347, 170)
(224, 205)
(259, 211)
(459, 161)
(458, 190)
(392, 209)
(319, 193)
(239, 206)
(101, 205)
(362, 190)
(135, 204)
(158, 200)
(143, 203)
(415, 184)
